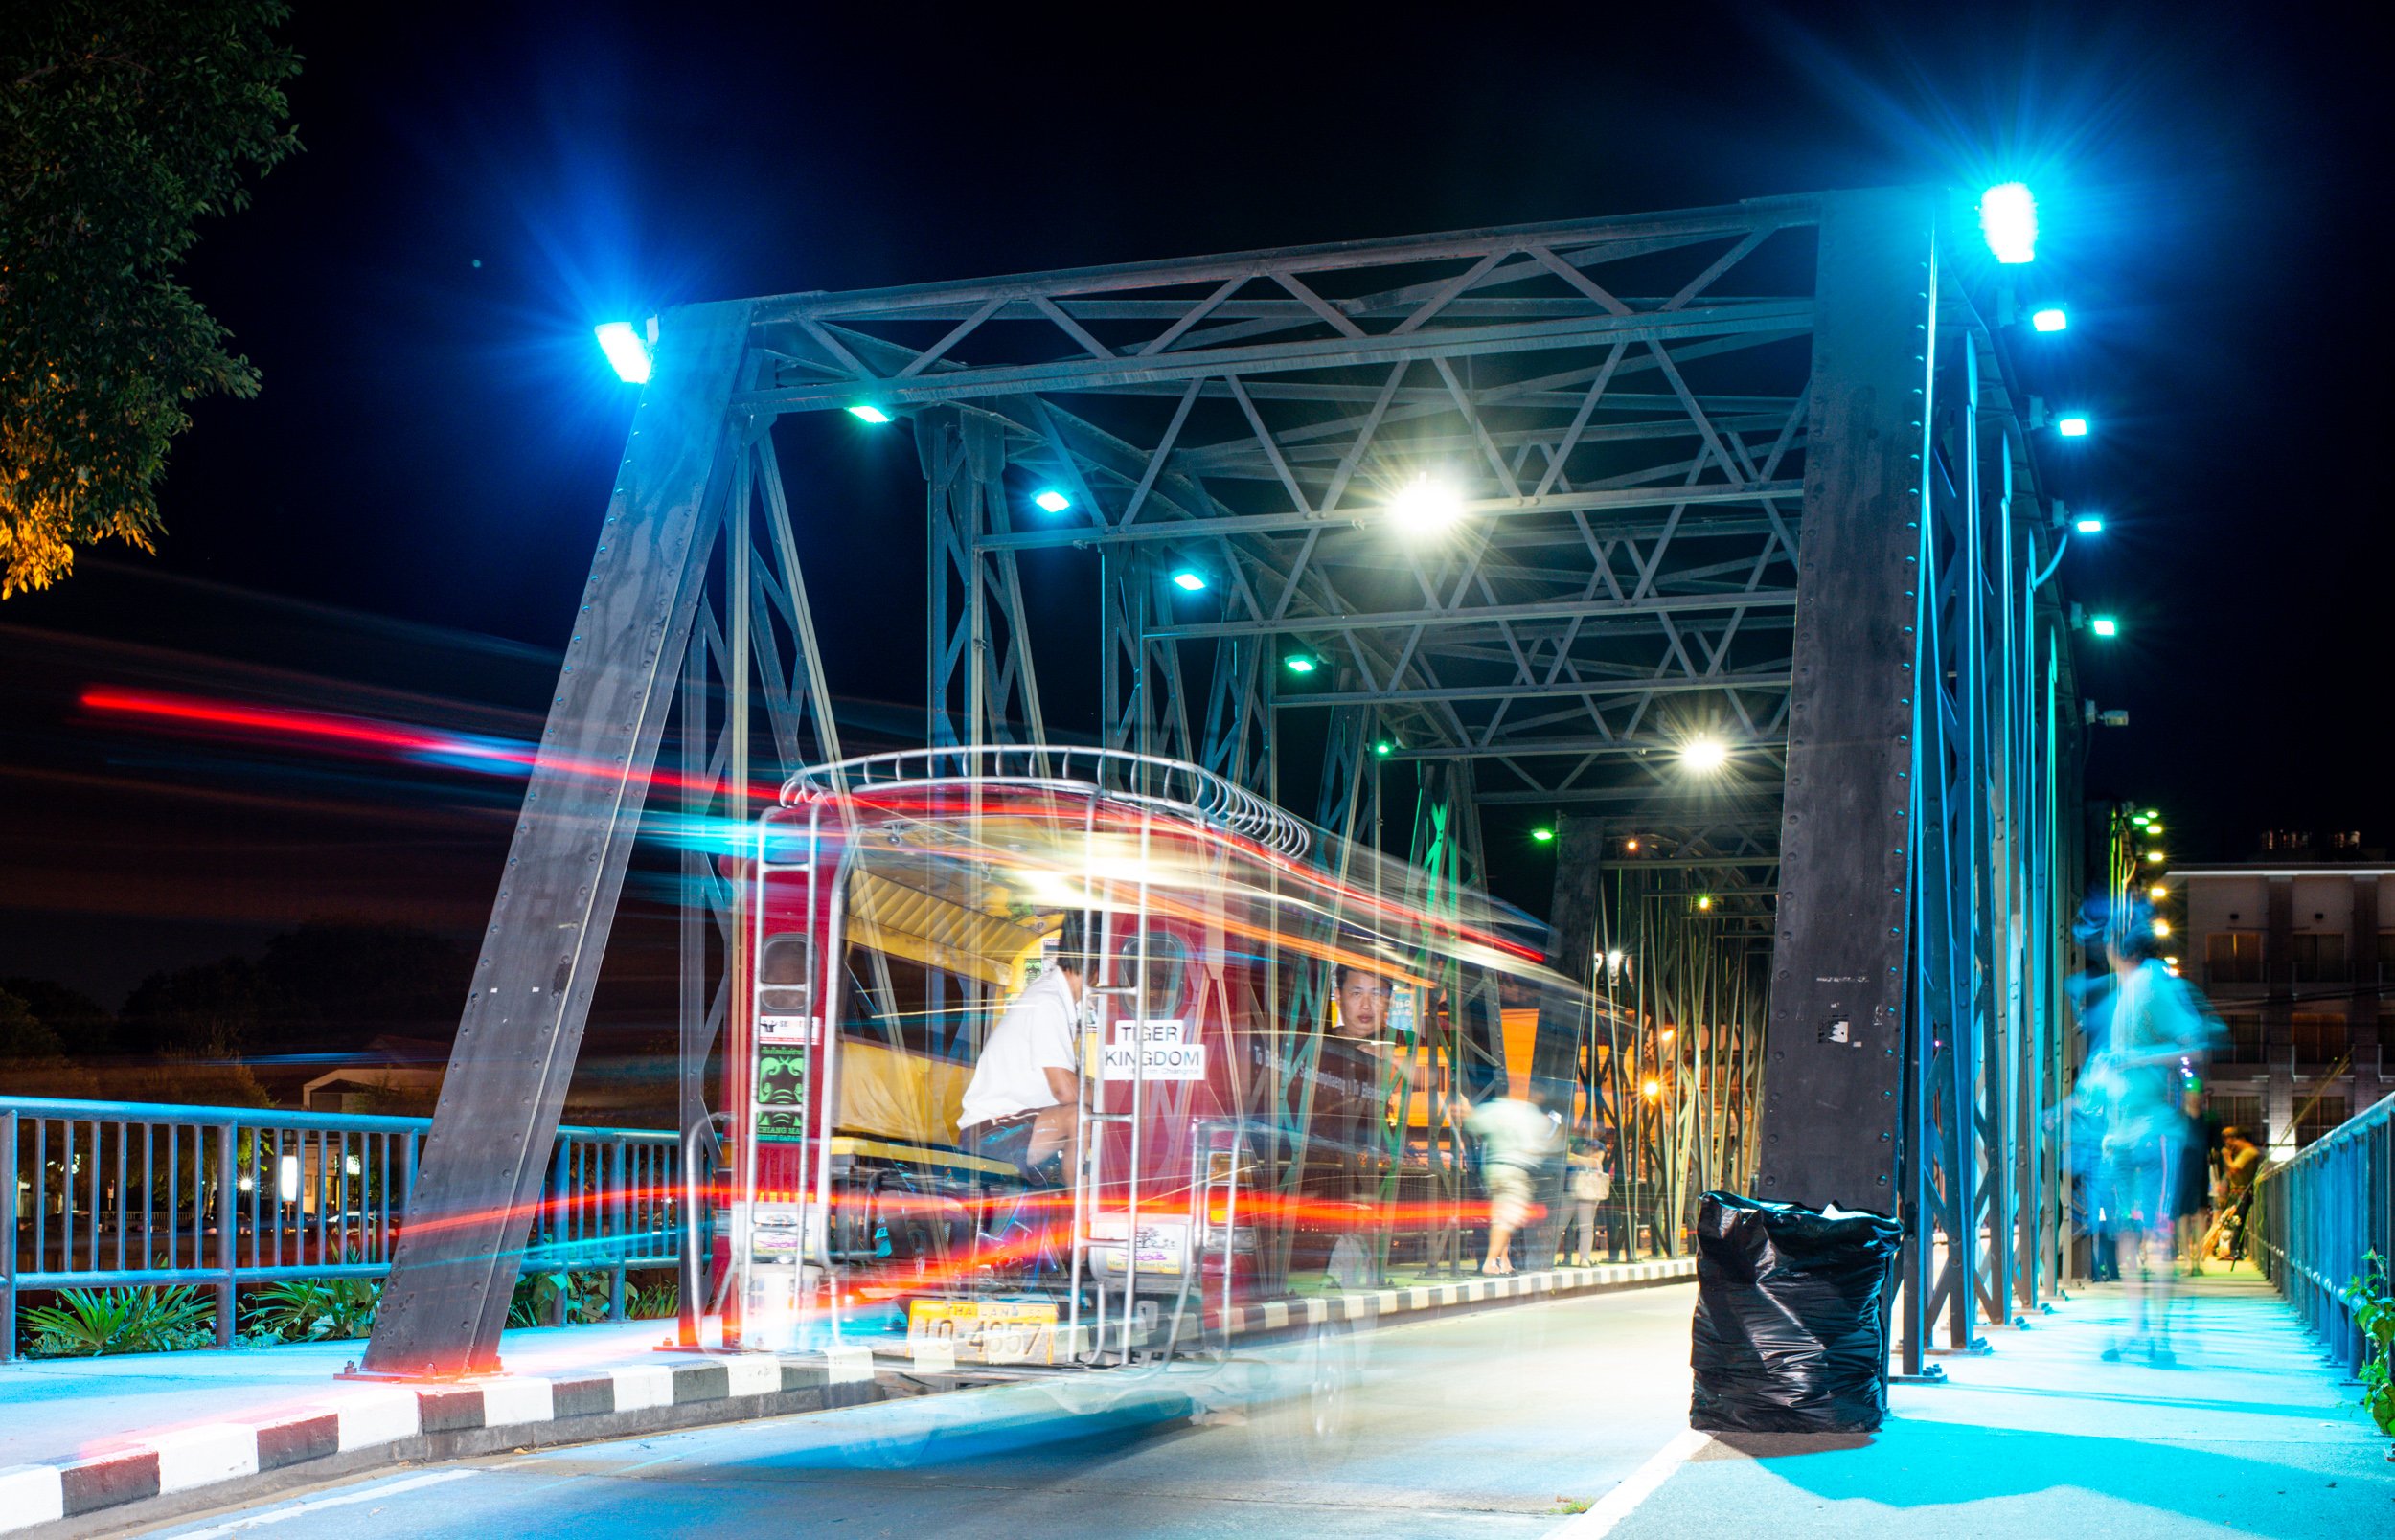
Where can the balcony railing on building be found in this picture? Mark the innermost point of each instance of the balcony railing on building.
(2233, 957)
(2319, 958)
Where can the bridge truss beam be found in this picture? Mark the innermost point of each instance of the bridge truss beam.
(1640, 423)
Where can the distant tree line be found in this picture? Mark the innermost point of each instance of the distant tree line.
(197, 1031)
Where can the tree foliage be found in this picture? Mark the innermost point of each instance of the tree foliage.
(326, 983)
(22, 1033)
(33, 1061)
(82, 1024)
(122, 123)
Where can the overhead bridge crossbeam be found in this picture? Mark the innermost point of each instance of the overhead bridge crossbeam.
(1363, 517)
(1466, 521)
(1487, 613)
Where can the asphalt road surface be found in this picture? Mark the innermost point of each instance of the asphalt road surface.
(1501, 1423)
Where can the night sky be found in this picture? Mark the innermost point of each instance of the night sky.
(398, 524)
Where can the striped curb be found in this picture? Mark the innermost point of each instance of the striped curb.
(1278, 1315)
(938, 1355)
(361, 1419)
(366, 1417)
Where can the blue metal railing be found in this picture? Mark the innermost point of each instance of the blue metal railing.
(2318, 1213)
(132, 1192)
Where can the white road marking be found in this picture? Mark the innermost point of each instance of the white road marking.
(369, 1495)
(1618, 1503)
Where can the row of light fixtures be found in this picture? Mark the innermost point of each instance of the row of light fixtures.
(2008, 218)
(2148, 823)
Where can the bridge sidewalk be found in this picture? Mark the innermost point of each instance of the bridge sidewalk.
(2253, 1431)
(56, 1409)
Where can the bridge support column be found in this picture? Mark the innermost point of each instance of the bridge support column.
(1833, 1075)
(484, 1161)
(1564, 1018)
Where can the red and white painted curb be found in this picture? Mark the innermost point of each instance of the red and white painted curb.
(1372, 1303)
(363, 1417)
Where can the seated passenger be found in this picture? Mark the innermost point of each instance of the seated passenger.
(1020, 1106)
(1348, 1152)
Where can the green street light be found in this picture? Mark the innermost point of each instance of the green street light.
(1542, 835)
(1384, 748)
(2105, 625)
(1300, 663)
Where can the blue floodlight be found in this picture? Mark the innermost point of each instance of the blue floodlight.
(1189, 582)
(626, 349)
(1051, 501)
(2071, 427)
(2050, 319)
(2105, 625)
(867, 412)
(2088, 524)
(2008, 216)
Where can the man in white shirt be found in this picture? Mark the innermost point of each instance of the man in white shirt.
(1021, 1104)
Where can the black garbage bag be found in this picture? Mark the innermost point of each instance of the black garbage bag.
(1789, 1336)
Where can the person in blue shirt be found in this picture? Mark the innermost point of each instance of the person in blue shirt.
(2132, 1085)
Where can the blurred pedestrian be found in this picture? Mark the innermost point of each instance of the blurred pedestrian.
(1516, 1140)
(1591, 1183)
(2157, 1036)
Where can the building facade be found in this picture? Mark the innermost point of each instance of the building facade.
(2294, 955)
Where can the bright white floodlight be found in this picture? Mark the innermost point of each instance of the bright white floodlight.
(2052, 318)
(1705, 755)
(2008, 216)
(626, 349)
(1423, 507)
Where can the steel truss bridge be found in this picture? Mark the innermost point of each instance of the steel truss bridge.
(1756, 472)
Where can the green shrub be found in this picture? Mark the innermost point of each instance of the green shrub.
(535, 1302)
(316, 1309)
(586, 1297)
(654, 1301)
(2373, 1305)
(90, 1322)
